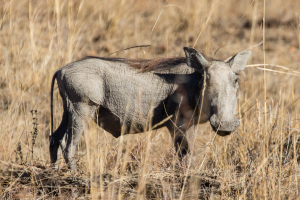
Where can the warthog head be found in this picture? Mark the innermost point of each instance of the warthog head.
(221, 88)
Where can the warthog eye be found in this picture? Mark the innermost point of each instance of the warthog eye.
(236, 80)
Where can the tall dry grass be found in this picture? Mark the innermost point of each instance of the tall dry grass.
(259, 161)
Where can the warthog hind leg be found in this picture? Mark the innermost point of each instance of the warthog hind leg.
(78, 117)
(57, 140)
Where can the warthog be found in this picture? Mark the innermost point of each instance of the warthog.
(132, 96)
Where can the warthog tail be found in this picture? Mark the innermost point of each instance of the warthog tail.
(51, 103)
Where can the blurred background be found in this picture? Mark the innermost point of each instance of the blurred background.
(259, 161)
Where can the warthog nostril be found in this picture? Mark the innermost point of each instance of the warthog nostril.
(223, 127)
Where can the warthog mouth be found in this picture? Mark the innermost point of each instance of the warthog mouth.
(224, 133)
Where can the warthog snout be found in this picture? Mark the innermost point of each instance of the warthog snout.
(223, 128)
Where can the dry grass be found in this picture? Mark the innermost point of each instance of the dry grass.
(38, 37)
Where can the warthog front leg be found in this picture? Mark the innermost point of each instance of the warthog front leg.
(179, 138)
(181, 145)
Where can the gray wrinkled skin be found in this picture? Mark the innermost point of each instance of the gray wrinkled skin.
(122, 100)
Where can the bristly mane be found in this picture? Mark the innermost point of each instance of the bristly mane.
(147, 65)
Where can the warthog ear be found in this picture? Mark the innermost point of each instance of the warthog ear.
(239, 61)
(195, 59)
